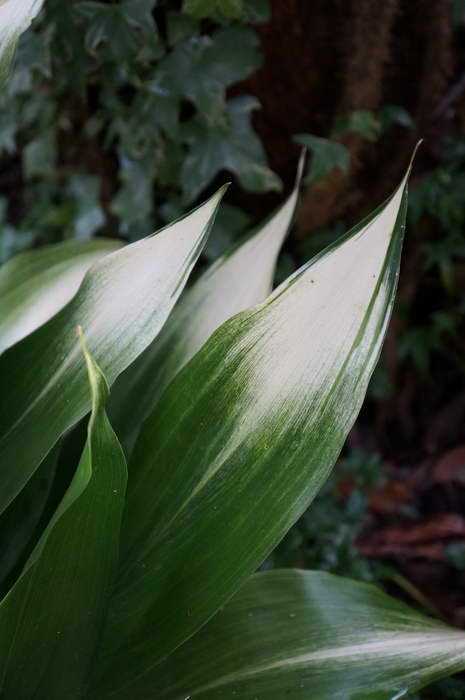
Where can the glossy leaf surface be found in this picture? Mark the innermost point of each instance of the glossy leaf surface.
(303, 634)
(243, 439)
(35, 285)
(50, 621)
(237, 281)
(122, 304)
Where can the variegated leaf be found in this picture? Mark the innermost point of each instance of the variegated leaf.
(122, 305)
(305, 634)
(50, 620)
(35, 285)
(237, 281)
(15, 18)
(242, 440)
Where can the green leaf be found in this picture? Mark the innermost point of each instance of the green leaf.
(231, 9)
(392, 115)
(35, 285)
(326, 156)
(115, 25)
(179, 27)
(243, 439)
(232, 145)
(21, 525)
(122, 305)
(40, 155)
(362, 122)
(239, 280)
(202, 68)
(133, 203)
(50, 620)
(257, 11)
(15, 18)
(88, 215)
(304, 634)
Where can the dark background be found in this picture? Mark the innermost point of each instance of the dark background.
(122, 115)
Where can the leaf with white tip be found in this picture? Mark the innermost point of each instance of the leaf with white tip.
(15, 18)
(237, 281)
(305, 634)
(243, 439)
(51, 619)
(35, 285)
(122, 304)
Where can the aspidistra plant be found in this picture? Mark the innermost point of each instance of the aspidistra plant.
(230, 404)
(15, 18)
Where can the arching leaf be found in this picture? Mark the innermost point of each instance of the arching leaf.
(305, 634)
(243, 439)
(237, 281)
(122, 304)
(35, 285)
(50, 621)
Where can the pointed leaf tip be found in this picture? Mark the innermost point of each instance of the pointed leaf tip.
(240, 279)
(47, 392)
(301, 166)
(414, 154)
(15, 18)
(98, 383)
(275, 391)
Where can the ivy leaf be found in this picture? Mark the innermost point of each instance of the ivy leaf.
(89, 216)
(202, 68)
(361, 122)
(115, 24)
(231, 145)
(230, 9)
(392, 115)
(327, 155)
(139, 13)
(39, 156)
(257, 11)
(107, 24)
(133, 203)
(180, 27)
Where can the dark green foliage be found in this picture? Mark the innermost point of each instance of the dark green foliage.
(361, 122)
(142, 131)
(326, 155)
(102, 152)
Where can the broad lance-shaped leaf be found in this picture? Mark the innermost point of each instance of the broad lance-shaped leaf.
(237, 281)
(305, 634)
(122, 304)
(35, 285)
(50, 621)
(243, 439)
(15, 18)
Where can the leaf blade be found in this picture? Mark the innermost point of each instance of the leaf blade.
(311, 634)
(237, 281)
(69, 572)
(35, 285)
(15, 18)
(275, 392)
(122, 304)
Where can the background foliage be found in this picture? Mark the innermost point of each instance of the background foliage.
(122, 115)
